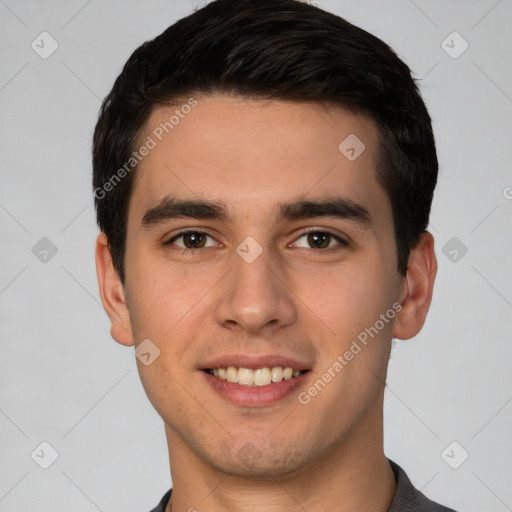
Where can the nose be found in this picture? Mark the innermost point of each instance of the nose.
(255, 297)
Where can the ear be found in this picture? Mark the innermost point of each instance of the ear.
(112, 293)
(417, 289)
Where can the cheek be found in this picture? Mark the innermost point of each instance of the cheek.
(163, 294)
(352, 305)
(349, 298)
(165, 390)
(157, 383)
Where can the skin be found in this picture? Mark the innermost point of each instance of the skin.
(294, 299)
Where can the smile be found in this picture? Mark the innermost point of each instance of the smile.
(255, 377)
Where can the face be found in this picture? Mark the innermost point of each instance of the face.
(255, 242)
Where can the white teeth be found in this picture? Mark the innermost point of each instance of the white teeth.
(277, 374)
(259, 377)
(232, 374)
(245, 377)
(262, 377)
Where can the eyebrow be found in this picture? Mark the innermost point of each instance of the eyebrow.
(337, 206)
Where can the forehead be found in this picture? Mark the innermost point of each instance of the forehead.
(255, 154)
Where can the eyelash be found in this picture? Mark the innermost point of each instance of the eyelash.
(341, 242)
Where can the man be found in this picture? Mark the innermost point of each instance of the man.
(263, 175)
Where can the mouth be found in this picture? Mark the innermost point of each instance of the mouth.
(255, 380)
(256, 387)
(264, 376)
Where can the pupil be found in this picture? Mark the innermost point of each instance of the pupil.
(319, 240)
(193, 240)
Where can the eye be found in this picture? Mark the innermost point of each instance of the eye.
(319, 240)
(192, 240)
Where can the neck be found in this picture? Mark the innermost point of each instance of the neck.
(355, 475)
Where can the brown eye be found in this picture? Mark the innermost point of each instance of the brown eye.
(194, 240)
(319, 240)
(191, 240)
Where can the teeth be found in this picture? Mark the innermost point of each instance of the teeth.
(258, 377)
(277, 374)
(262, 377)
(245, 377)
(232, 374)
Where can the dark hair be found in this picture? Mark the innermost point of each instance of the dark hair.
(281, 49)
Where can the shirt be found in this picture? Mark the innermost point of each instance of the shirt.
(407, 498)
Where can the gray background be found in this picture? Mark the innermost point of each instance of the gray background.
(64, 381)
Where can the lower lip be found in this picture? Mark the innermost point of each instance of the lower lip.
(255, 396)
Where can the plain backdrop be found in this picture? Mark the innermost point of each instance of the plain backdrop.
(65, 382)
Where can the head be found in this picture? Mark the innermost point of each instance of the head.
(236, 121)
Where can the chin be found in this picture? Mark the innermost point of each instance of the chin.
(259, 460)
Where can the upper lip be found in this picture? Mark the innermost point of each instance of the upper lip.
(254, 362)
